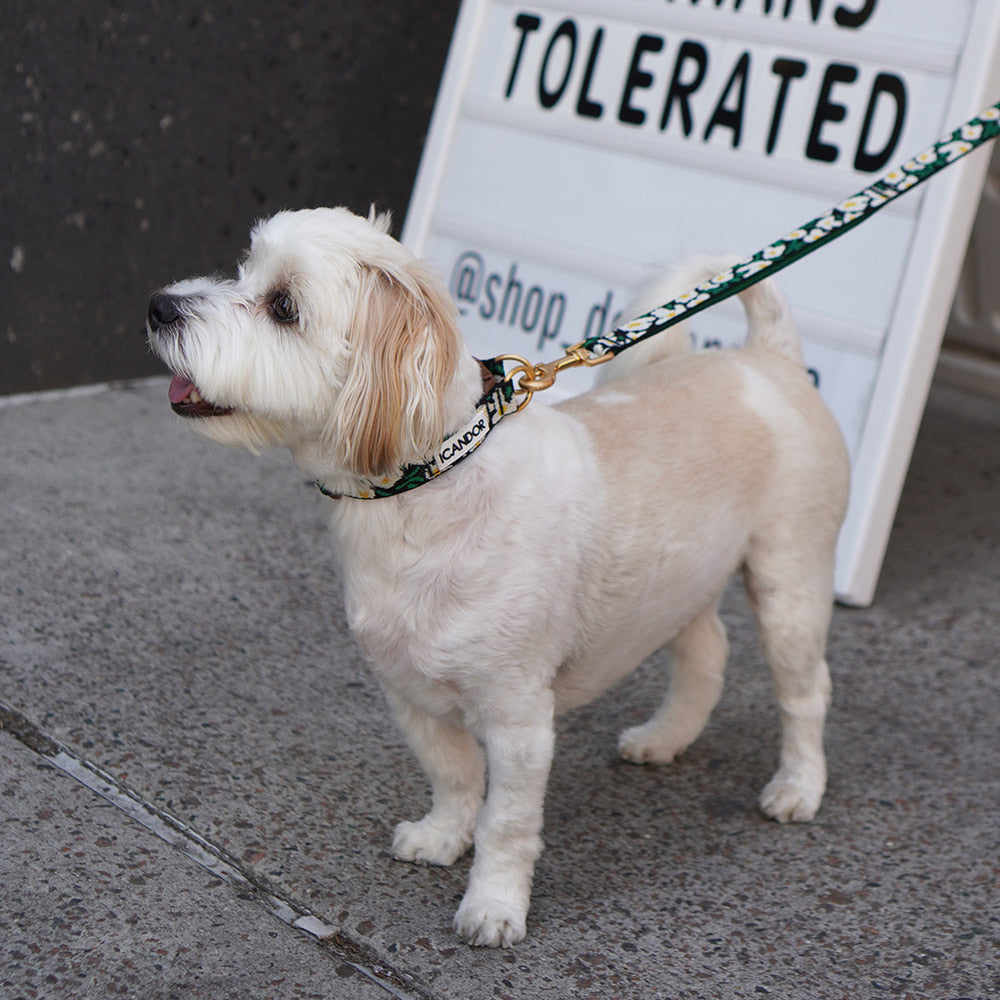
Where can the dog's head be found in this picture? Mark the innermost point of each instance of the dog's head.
(331, 340)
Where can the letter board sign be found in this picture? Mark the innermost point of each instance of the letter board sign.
(579, 147)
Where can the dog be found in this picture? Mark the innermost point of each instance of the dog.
(539, 571)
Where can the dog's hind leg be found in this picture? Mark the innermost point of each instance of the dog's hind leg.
(453, 762)
(793, 619)
(698, 660)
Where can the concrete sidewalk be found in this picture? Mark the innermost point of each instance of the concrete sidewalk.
(199, 779)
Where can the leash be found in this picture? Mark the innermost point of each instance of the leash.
(509, 392)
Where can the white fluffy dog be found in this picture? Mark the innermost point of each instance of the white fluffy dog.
(532, 576)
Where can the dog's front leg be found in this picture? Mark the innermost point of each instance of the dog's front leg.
(494, 910)
(453, 762)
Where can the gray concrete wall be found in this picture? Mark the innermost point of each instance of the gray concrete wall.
(141, 141)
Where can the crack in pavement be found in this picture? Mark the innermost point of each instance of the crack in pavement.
(211, 857)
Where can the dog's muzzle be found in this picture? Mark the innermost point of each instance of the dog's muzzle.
(165, 315)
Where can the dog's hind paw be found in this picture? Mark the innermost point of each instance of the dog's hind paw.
(791, 800)
(428, 843)
(648, 744)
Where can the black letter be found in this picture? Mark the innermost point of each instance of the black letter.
(815, 5)
(550, 98)
(682, 91)
(827, 111)
(637, 78)
(513, 286)
(487, 311)
(854, 18)
(526, 22)
(885, 83)
(787, 69)
(585, 106)
(532, 301)
(732, 117)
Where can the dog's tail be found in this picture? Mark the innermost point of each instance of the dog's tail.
(769, 320)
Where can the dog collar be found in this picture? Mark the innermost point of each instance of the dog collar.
(498, 399)
(506, 393)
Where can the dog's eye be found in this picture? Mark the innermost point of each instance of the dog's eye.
(283, 308)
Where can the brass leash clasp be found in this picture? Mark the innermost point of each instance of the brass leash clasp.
(532, 378)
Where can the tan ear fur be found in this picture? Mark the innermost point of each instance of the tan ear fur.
(404, 354)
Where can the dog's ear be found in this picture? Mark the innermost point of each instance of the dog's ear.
(404, 351)
(382, 221)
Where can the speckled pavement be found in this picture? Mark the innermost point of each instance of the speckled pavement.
(199, 779)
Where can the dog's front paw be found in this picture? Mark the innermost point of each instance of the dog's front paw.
(429, 843)
(491, 923)
(649, 744)
(792, 798)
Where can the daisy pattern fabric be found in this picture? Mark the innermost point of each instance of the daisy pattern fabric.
(804, 240)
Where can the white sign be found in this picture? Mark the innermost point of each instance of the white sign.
(578, 147)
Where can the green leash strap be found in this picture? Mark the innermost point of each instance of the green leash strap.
(804, 240)
(515, 388)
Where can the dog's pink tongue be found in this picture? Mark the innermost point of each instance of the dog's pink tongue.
(180, 388)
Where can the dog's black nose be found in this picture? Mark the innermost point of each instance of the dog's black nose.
(163, 310)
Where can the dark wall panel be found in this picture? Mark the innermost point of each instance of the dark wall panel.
(142, 140)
